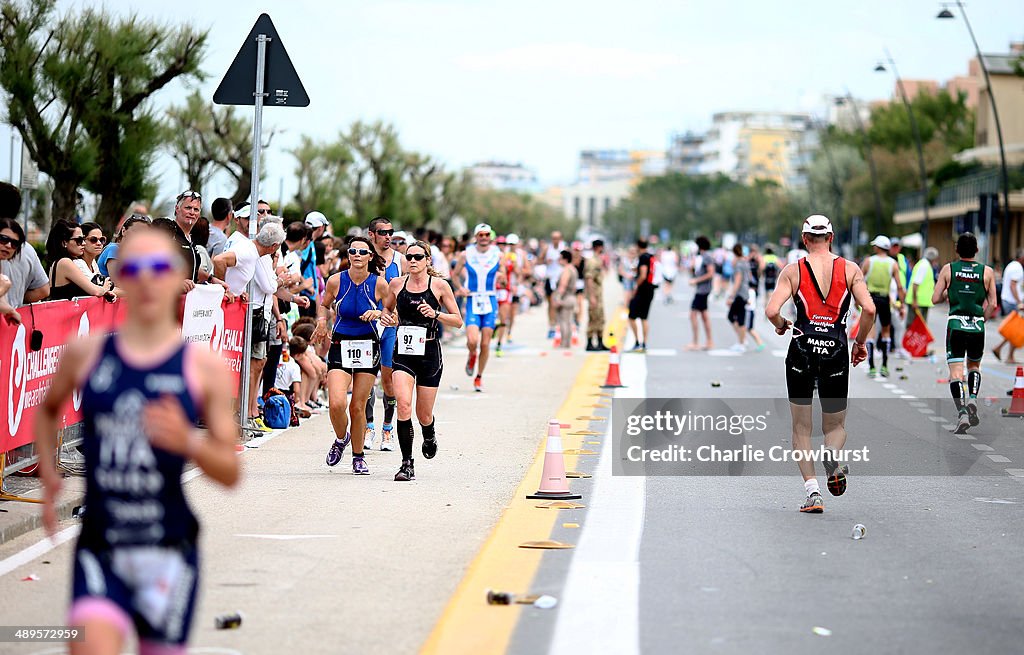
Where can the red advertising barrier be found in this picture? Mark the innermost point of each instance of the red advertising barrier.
(25, 375)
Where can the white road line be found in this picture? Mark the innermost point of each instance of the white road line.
(925, 410)
(937, 419)
(918, 404)
(662, 352)
(898, 391)
(1017, 473)
(981, 446)
(965, 437)
(38, 549)
(999, 459)
(889, 385)
(600, 605)
(908, 397)
(949, 427)
(287, 537)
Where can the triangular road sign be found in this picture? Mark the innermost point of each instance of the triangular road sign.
(282, 84)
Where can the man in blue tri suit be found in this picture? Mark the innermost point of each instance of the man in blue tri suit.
(381, 231)
(481, 265)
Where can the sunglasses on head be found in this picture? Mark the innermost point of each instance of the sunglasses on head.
(79, 240)
(191, 195)
(96, 239)
(415, 257)
(133, 267)
(9, 241)
(385, 233)
(358, 251)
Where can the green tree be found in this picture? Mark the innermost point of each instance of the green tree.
(321, 169)
(940, 117)
(78, 90)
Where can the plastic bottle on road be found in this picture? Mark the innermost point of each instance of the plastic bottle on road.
(858, 532)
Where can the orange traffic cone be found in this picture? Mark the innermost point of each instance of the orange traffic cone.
(575, 337)
(553, 485)
(558, 338)
(612, 380)
(1017, 402)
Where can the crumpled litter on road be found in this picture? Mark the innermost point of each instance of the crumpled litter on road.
(821, 632)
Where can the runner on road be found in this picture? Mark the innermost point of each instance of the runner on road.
(879, 272)
(382, 234)
(481, 262)
(354, 357)
(419, 301)
(640, 303)
(702, 280)
(820, 285)
(968, 285)
(136, 564)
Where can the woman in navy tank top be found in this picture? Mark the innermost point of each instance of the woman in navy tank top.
(136, 561)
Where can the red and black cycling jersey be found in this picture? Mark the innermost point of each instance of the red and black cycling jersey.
(820, 327)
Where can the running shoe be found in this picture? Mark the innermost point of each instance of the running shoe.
(759, 348)
(836, 475)
(551, 333)
(386, 442)
(429, 447)
(260, 425)
(359, 466)
(738, 348)
(406, 473)
(884, 372)
(369, 438)
(972, 413)
(813, 504)
(962, 424)
(638, 348)
(471, 364)
(478, 384)
(337, 450)
(872, 372)
(497, 351)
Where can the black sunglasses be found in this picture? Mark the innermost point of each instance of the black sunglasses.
(358, 251)
(415, 257)
(96, 239)
(79, 240)
(385, 233)
(9, 241)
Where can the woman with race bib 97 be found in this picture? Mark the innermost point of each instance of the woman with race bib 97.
(354, 356)
(415, 305)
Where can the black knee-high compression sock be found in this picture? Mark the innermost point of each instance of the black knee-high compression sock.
(389, 409)
(973, 383)
(369, 407)
(405, 437)
(886, 344)
(428, 430)
(956, 389)
(871, 353)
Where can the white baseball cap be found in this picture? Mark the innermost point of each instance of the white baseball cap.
(315, 220)
(512, 239)
(482, 227)
(244, 212)
(817, 224)
(882, 242)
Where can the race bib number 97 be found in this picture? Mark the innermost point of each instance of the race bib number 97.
(412, 340)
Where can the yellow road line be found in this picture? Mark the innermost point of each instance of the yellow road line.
(468, 624)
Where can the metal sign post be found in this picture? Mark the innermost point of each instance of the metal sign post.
(254, 196)
(274, 70)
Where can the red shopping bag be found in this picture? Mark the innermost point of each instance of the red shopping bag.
(917, 337)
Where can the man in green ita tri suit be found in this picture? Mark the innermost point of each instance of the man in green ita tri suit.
(968, 285)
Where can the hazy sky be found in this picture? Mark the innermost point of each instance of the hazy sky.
(536, 81)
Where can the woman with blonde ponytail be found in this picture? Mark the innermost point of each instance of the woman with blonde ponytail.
(419, 302)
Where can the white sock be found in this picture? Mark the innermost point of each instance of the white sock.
(811, 486)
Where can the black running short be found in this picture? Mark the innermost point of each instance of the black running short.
(640, 303)
(830, 376)
(334, 361)
(738, 311)
(883, 311)
(700, 302)
(960, 344)
(426, 369)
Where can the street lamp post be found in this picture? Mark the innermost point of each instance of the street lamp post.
(868, 155)
(1004, 249)
(880, 68)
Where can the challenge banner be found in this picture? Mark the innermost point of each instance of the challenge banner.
(26, 374)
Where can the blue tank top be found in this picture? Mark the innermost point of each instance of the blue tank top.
(352, 302)
(133, 492)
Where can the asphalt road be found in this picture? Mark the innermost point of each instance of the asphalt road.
(716, 558)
